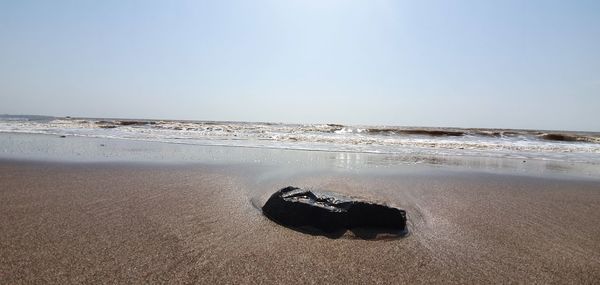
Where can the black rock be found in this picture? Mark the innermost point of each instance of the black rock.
(298, 208)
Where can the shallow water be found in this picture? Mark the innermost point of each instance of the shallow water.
(583, 147)
(85, 149)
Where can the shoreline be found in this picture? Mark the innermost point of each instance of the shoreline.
(43, 147)
(85, 210)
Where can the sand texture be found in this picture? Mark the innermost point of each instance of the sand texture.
(123, 223)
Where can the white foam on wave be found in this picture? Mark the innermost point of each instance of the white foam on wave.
(324, 137)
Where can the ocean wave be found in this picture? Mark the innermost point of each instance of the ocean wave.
(411, 131)
(569, 138)
(333, 137)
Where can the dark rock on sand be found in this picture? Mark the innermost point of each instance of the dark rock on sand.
(298, 208)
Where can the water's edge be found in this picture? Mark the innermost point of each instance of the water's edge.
(42, 147)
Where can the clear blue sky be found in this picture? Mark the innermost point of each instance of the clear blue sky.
(514, 64)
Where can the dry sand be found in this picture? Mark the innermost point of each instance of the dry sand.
(126, 223)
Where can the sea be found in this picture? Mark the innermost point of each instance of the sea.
(561, 146)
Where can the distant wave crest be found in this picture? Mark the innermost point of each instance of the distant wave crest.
(331, 137)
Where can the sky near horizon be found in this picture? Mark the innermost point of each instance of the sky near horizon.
(505, 64)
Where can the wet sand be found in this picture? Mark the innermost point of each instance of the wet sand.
(137, 223)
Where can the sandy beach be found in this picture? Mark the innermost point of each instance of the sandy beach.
(82, 222)
(299, 142)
